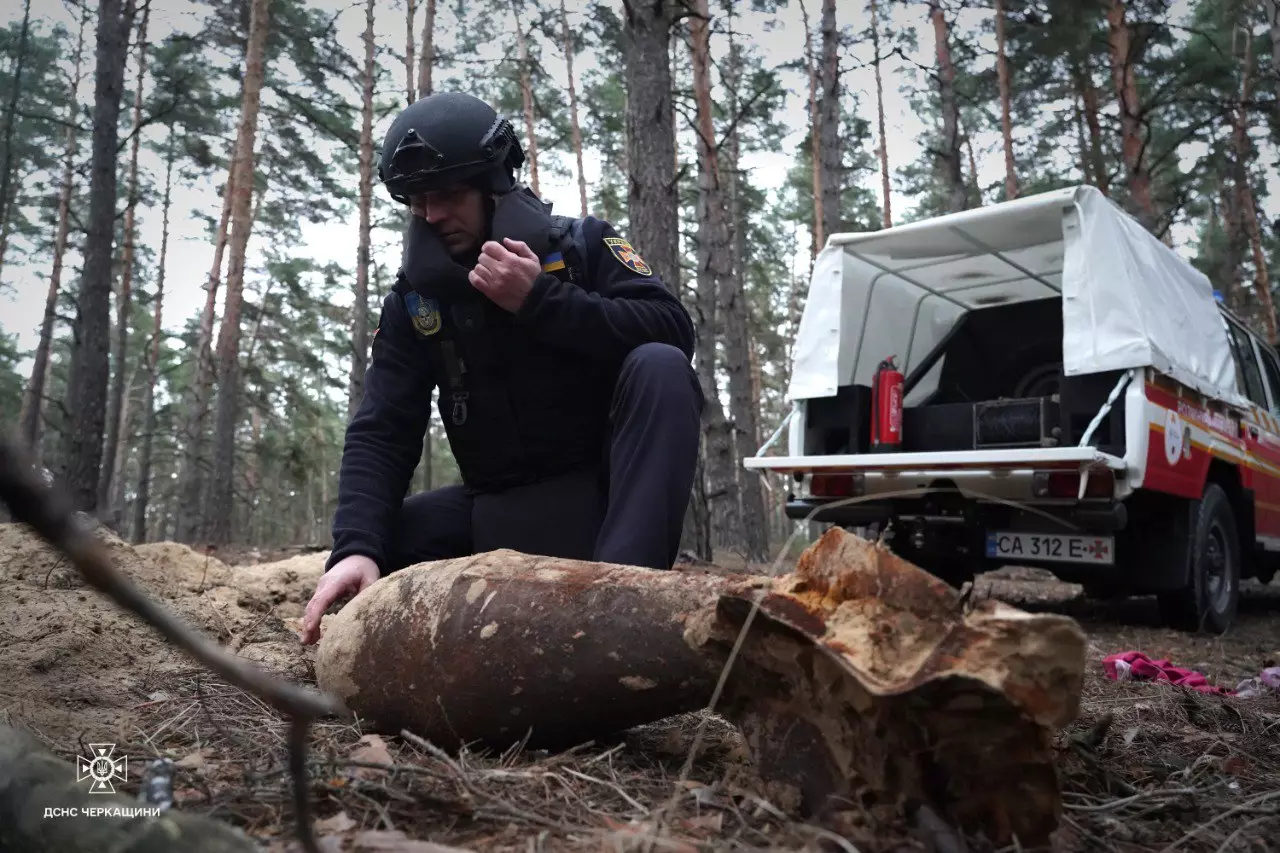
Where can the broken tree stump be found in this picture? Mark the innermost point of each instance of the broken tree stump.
(502, 644)
(43, 807)
(863, 672)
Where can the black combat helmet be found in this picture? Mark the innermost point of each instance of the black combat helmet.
(449, 138)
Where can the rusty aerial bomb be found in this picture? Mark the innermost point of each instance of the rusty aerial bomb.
(492, 647)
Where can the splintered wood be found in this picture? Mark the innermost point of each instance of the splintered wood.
(863, 673)
(861, 677)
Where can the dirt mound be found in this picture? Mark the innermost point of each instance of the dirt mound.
(79, 667)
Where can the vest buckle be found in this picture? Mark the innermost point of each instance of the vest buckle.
(459, 414)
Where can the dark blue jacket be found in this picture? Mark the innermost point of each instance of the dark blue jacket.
(523, 396)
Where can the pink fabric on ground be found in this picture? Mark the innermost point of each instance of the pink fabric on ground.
(1135, 666)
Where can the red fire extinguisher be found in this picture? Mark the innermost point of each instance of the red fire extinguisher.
(886, 408)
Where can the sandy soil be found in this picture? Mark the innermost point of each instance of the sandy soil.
(75, 666)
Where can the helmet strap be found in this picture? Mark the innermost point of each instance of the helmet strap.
(490, 205)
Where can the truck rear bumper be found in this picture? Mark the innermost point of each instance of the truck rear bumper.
(1097, 517)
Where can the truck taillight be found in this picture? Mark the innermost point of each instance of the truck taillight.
(1066, 484)
(837, 485)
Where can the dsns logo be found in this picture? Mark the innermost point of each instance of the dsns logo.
(101, 767)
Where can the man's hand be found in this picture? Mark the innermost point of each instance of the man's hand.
(506, 274)
(349, 577)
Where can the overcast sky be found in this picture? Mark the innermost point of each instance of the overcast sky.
(191, 251)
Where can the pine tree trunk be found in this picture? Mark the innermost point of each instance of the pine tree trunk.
(829, 106)
(973, 168)
(221, 503)
(883, 145)
(90, 366)
(426, 62)
(1082, 144)
(424, 88)
(756, 372)
(1006, 106)
(33, 399)
(317, 526)
(5, 224)
(815, 135)
(653, 209)
(153, 355)
(795, 296)
(10, 122)
(649, 163)
(114, 452)
(410, 91)
(574, 126)
(1089, 100)
(427, 473)
(949, 155)
(256, 336)
(360, 310)
(716, 292)
(744, 396)
(526, 97)
(253, 477)
(1249, 212)
(1272, 10)
(116, 500)
(1233, 225)
(189, 524)
(1125, 80)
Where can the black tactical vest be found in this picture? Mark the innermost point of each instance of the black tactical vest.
(516, 410)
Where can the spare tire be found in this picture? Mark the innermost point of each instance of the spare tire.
(1043, 380)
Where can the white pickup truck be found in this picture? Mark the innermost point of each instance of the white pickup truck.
(1074, 398)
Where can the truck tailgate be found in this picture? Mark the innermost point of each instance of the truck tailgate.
(1039, 457)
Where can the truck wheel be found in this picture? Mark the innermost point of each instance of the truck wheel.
(1209, 601)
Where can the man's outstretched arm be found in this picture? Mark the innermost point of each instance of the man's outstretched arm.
(384, 439)
(383, 444)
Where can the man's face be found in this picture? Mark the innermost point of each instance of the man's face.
(457, 215)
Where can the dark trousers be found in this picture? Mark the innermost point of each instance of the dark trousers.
(628, 511)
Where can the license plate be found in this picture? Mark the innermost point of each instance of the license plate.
(1051, 547)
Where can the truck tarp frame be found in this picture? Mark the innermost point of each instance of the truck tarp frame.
(1128, 300)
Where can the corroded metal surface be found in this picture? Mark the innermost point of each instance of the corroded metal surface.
(491, 647)
(863, 672)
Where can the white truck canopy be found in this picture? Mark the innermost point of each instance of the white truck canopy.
(1128, 300)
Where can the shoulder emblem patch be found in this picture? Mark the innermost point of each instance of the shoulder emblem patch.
(627, 256)
(424, 312)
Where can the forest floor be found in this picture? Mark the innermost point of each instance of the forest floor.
(1145, 767)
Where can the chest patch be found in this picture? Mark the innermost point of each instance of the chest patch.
(424, 312)
(627, 256)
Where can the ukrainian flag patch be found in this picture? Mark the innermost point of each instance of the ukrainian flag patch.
(553, 262)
